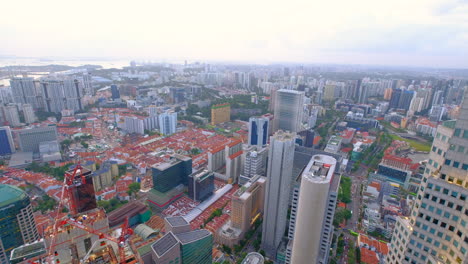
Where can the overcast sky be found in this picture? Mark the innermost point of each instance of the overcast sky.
(385, 32)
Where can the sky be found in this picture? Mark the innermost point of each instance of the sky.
(432, 33)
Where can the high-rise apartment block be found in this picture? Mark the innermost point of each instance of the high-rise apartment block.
(277, 191)
(7, 146)
(62, 94)
(220, 113)
(168, 123)
(28, 112)
(30, 139)
(134, 124)
(26, 90)
(288, 110)
(436, 231)
(313, 209)
(17, 226)
(11, 115)
(258, 130)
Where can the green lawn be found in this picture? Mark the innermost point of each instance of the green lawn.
(418, 146)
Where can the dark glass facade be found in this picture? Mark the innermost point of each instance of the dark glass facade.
(83, 192)
(202, 187)
(5, 148)
(393, 174)
(165, 179)
(115, 92)
(15, 217)
(198, 251)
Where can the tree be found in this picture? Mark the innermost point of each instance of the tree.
(46, 203)
(134, 187)
(66, 143)
(262, 252)
(226, 249)
(84, 144)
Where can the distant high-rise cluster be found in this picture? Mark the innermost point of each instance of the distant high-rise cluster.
(51, 94)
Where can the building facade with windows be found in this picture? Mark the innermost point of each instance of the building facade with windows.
(436, 231)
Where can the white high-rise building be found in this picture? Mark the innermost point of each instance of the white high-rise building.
(28, 112)
(258, 131)
(313, 208)
(12, 115)
(288, 110)
(277, 193)
(254, 163)
(168, 123)
(153, 110)
(151, 122)
(437, 229)
(134, 125)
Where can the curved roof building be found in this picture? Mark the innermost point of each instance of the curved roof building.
(17, 225)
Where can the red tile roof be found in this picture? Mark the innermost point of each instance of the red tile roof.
(369, 256)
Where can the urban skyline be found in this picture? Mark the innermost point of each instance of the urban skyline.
(208, 132)
(420, 33)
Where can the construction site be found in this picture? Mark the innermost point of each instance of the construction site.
(80, 232)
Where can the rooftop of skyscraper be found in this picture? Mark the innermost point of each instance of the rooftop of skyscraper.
(320, 168)
(10, 194)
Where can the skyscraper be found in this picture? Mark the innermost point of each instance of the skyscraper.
(258, 130)
(312, 213)
(288, 110)
(436, 231)
(7, 145)
(168, 123)
(29, 139)
(17, 225)
(11, 115)
(405, 99)
(24, 91)
(395, 98)
(278, 188)
(115, 92)
(62, 94)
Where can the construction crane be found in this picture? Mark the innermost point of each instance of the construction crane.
(71, 181)
(120, 241)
